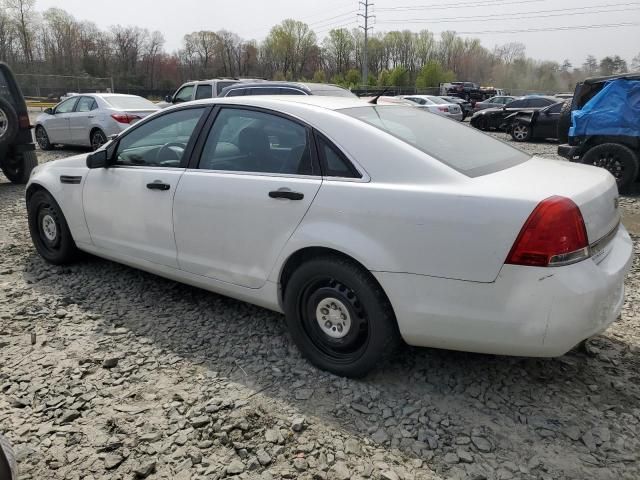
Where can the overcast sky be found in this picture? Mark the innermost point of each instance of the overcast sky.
(254, 18)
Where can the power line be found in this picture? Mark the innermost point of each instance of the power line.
(467, 3)
(330, 20)
(506, 16)
(552, 29)
(327, 29)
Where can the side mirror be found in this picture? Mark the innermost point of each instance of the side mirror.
(49, 111)
(97, 159)
(168, 99)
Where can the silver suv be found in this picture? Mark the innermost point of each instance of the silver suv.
(201, 89)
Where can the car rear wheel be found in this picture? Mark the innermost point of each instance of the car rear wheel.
(42, 138)
(521, 132)
(98, 138)
(8, 123)
(18, 167)
(49, 230)
(338, 316)
(618, 159)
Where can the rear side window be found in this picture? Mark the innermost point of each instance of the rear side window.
(462, 148)
(204, 91)
(222, 85)
(334, 163)
(86, 104)
(517, 104)
(236, 92)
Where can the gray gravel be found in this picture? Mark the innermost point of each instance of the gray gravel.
(133, 376)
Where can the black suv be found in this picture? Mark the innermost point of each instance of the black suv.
(285, 88)
(619, 153)
(17, 150)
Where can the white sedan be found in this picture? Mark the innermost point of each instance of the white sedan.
(437, 105)
(363, 223)
(90, 119)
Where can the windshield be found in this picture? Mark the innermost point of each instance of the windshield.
(461, 147)
(129, 103)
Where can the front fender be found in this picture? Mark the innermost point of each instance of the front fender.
(64, 180)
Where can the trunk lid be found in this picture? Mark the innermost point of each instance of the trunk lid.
(592, 189)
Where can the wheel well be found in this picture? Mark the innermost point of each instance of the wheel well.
(33, 188)
(93, 130)
(302, 256)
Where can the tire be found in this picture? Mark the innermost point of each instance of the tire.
(520, 132)
(43, 139)
(8, 123)
(564, 122)
(49, 230)
(482, 124)
(98, 138)
(346, 293)
(618, 159)
(18, 168)
(8, 464)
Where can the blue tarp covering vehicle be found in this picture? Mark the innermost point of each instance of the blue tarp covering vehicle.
(605, 126)
(615, 110)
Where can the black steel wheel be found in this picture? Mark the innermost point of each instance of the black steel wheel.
(98, 138)
(49, 230)
(339, 316)
(617, 159)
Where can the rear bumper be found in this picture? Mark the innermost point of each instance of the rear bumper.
(527, 311)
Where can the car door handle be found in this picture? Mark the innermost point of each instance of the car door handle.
(158, 185)
(91, 116)
(288, 194)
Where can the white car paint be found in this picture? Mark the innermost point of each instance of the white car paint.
(437, 105)
(75, 127)
(435, 239)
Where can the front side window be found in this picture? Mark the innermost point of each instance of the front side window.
(67, 105)
(538, 102)
(555, 108)
(86, 104)
(160, 142)
(517, 104)
(250, 141)
(204, 91)
(184, 94)
(462, 148)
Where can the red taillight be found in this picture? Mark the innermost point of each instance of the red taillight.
(23, 121)
(553, 235)
(124, 117)
(443, 109)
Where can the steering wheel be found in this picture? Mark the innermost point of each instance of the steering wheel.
(162, 158)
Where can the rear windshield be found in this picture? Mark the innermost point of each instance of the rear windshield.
(437, 100)
(329, 90)
(129, 103)
(463, 148)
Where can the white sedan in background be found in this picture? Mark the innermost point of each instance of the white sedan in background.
(437, 105)
(90, 119)
(363, 223)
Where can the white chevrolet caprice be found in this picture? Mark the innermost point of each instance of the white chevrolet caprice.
(363, 223)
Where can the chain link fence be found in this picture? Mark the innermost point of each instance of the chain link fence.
(52, 87)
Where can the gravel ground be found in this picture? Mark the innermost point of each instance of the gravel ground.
(110, 373)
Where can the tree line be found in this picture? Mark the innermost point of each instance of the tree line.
(54, 42)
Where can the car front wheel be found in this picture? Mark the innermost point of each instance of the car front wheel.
(339, 317)
(42, 138)
(49, 230)
(98, 138)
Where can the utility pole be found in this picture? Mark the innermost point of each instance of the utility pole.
(365, 54)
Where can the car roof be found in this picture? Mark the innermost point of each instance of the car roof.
(311, 87)
(626, 76)
(278, 102)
